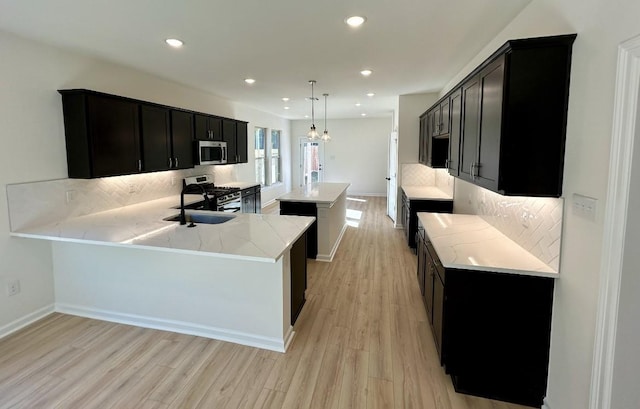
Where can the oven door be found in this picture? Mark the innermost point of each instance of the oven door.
(233, 206)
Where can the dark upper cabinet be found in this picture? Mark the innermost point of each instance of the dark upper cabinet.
(167, 137)
(229, 136)
(453, 160)
(102, 135)
(182, 127)
(208, 127)
(433, 150)
(242, 142)
(109, 135)
(439, 118)
(514, 116)
(470, 126)
(156, 138)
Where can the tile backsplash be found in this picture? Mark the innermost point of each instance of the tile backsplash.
(36, 203)
(416, 174)
(535, 224)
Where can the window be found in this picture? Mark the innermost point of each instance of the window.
(276, 160)
(260, 154)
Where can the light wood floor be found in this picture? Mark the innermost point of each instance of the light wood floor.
(363, 341)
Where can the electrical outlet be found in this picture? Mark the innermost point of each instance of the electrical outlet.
(132, 188)
(13, 287)
(584, 206)
(71, 195)
(173, 180)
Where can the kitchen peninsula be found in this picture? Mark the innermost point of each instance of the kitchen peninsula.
(229, 281)
(327, 202)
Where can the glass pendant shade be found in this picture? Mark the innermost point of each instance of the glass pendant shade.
(325, 135)
(312, 134)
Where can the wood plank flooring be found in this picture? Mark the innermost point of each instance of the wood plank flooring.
(363, 341)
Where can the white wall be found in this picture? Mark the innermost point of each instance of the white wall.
(32, 137)
(356, 154)
(601, 25)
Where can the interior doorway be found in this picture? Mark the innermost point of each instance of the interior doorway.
(616, 359)
(311, 161)
(392, 176)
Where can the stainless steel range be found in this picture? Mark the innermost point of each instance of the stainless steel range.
(223, 199)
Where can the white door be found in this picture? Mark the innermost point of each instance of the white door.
(392, 173)
(311, 161)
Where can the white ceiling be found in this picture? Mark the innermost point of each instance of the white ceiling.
(412, 46)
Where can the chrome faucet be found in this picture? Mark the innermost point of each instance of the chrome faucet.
(183, 218)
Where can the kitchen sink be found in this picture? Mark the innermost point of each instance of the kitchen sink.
(202, 218)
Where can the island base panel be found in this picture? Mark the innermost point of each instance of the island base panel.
(304, 209)
(298, 276)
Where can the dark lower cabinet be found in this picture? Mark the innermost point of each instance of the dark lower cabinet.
(410, 208)
(298, 258)
(492, 330)
(304, 209)
(251, 200)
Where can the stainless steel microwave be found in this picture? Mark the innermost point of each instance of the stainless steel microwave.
(210, 152)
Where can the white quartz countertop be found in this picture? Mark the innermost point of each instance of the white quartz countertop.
(425, 193)
(316, 193)
(241, 185)
(468, 242)
(247, 237)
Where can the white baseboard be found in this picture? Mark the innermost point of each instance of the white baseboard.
(189, 328)
(28, 319)
(367, 194)
(267, 204)
(329, 257)
(545, 404)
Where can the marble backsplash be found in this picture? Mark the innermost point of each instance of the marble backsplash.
(416, 174)
(535, 224)
(37, 203)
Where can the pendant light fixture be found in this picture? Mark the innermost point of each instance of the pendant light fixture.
(312, 134)
(325, 135)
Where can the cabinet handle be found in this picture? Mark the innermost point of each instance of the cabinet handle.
(139, 165)
(177, 163)
(446, 163)
(170, 163)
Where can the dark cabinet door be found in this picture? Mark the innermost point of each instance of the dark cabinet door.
(156, 148)
(491, 86)
(453, 161)
(201, 127)
(249, 202)
(182, 139)
(242, 142)
(113, 130)
(298, 258)
(422, 139)
(438, 311)
(208, 127)
(470, 127)
(229, 136)
(258, 200)
(444, 117)
(421, 262)
(428, 281)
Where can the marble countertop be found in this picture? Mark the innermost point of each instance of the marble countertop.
(425, 193)
(316, 193)
(468, 242)
(247, 237)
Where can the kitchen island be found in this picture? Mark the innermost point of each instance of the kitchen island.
(228, 281)
(327, 202)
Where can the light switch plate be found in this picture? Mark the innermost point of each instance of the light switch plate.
(584, 206)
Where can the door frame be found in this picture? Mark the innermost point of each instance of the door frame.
(301, 141)
(625, 115)
(392, 196)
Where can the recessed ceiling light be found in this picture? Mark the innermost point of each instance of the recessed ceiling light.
(286, 107)
(355, 21)
(358, 104)
(174, 42)
(285, 99)
(366, 73)
(370, 94)
(363, 114)
(249, 80)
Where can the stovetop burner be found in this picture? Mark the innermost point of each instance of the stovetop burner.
(221, 194)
